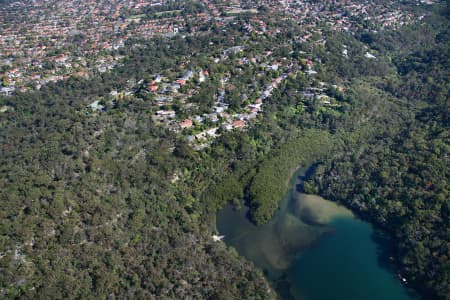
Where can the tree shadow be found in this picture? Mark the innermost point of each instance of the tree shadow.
(299, 187)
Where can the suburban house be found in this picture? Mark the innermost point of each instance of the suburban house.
(187, 123)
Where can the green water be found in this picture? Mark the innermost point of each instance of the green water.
(314, 249)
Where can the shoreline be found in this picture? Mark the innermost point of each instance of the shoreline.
(279, 281)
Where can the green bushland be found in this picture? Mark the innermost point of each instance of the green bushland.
(271, 182)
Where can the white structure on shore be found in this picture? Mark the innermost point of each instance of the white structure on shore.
(217, 238)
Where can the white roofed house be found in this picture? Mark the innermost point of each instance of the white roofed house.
(96, 106)
(219, 109)
(255, 106)
(201, 76)
(212, 117)
(187, 75)
(166, 113)
(7, 90)
(212, 131)
(369, 55)
(325, 99)
(175, 87)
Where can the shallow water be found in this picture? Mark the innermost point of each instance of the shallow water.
(314, 249)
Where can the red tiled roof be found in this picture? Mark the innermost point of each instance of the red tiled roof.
(186, 123)
(238, 124)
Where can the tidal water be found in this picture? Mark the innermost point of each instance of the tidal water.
(314, 249)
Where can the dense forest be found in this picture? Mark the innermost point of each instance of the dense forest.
(389, 160)
(89, 206)
(270, 180)
(109, 204)
(398, 177)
